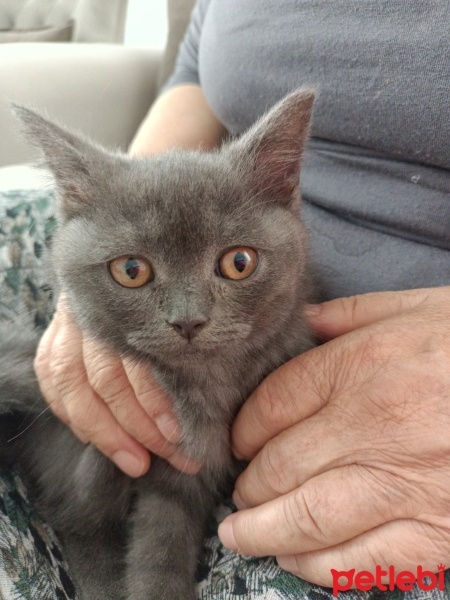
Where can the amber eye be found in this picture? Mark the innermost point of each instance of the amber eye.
(130, 271)
(238, 263)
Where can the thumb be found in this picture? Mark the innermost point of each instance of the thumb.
(342, 315)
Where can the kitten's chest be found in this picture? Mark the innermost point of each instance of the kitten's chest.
(205, 420)
(205, 409)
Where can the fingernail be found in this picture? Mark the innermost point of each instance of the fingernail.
(226, 534)
(128, 463)
(240, 504)
(287, 563)
(312, 310)
(168, 425)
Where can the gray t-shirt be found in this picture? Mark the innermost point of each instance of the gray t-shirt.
(376, 176)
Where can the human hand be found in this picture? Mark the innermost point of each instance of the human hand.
(110, 402)
(350, 445)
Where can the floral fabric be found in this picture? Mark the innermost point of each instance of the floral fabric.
(26, 222)
(31, 563)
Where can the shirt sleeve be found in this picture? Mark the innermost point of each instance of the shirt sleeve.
(186, 65)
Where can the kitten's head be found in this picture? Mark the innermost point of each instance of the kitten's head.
(185, 254)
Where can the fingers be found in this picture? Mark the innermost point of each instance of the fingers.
(108, 377)
(84, 409)
(401, 544)
(293, 392)
(88, 388)
(329, 509)
(44, 373)
(337, 317)
(301, 387)
(292, 457)
(153, 400)
(353, 516)
(158, 406)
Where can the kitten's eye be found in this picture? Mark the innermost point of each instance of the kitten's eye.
(131, 272)
(238, 263)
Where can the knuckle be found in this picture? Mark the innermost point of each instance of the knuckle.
(302, 517)
(62, 369)
(64, 363)
(150, 402)
(144, 386)
(271, 405)
(116, 404)
(309, 375)
(271, 469)
(143, 382)
(150, 396)
(105, 380)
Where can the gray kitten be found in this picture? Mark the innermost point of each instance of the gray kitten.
(197, 264)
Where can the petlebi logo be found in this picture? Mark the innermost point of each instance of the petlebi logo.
(388, 579)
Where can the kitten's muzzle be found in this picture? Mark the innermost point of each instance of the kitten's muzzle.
(188, 328)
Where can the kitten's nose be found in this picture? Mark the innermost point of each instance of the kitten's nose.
(188, 328)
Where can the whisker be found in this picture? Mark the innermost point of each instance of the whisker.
(29, 425)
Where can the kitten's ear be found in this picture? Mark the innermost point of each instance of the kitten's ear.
(275, 145)
(70, 159)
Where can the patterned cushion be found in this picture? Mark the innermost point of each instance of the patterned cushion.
(26, 222)
(31, 562)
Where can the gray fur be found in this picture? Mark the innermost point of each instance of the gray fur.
(140, 539)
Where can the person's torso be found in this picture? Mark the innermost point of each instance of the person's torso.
(379, 156)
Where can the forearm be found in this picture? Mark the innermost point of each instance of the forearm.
(180, 118)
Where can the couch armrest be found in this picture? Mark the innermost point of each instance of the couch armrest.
(100, 89)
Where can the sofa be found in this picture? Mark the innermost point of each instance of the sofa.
(92, 83)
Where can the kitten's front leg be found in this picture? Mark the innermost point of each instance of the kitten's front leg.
(167, 533)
